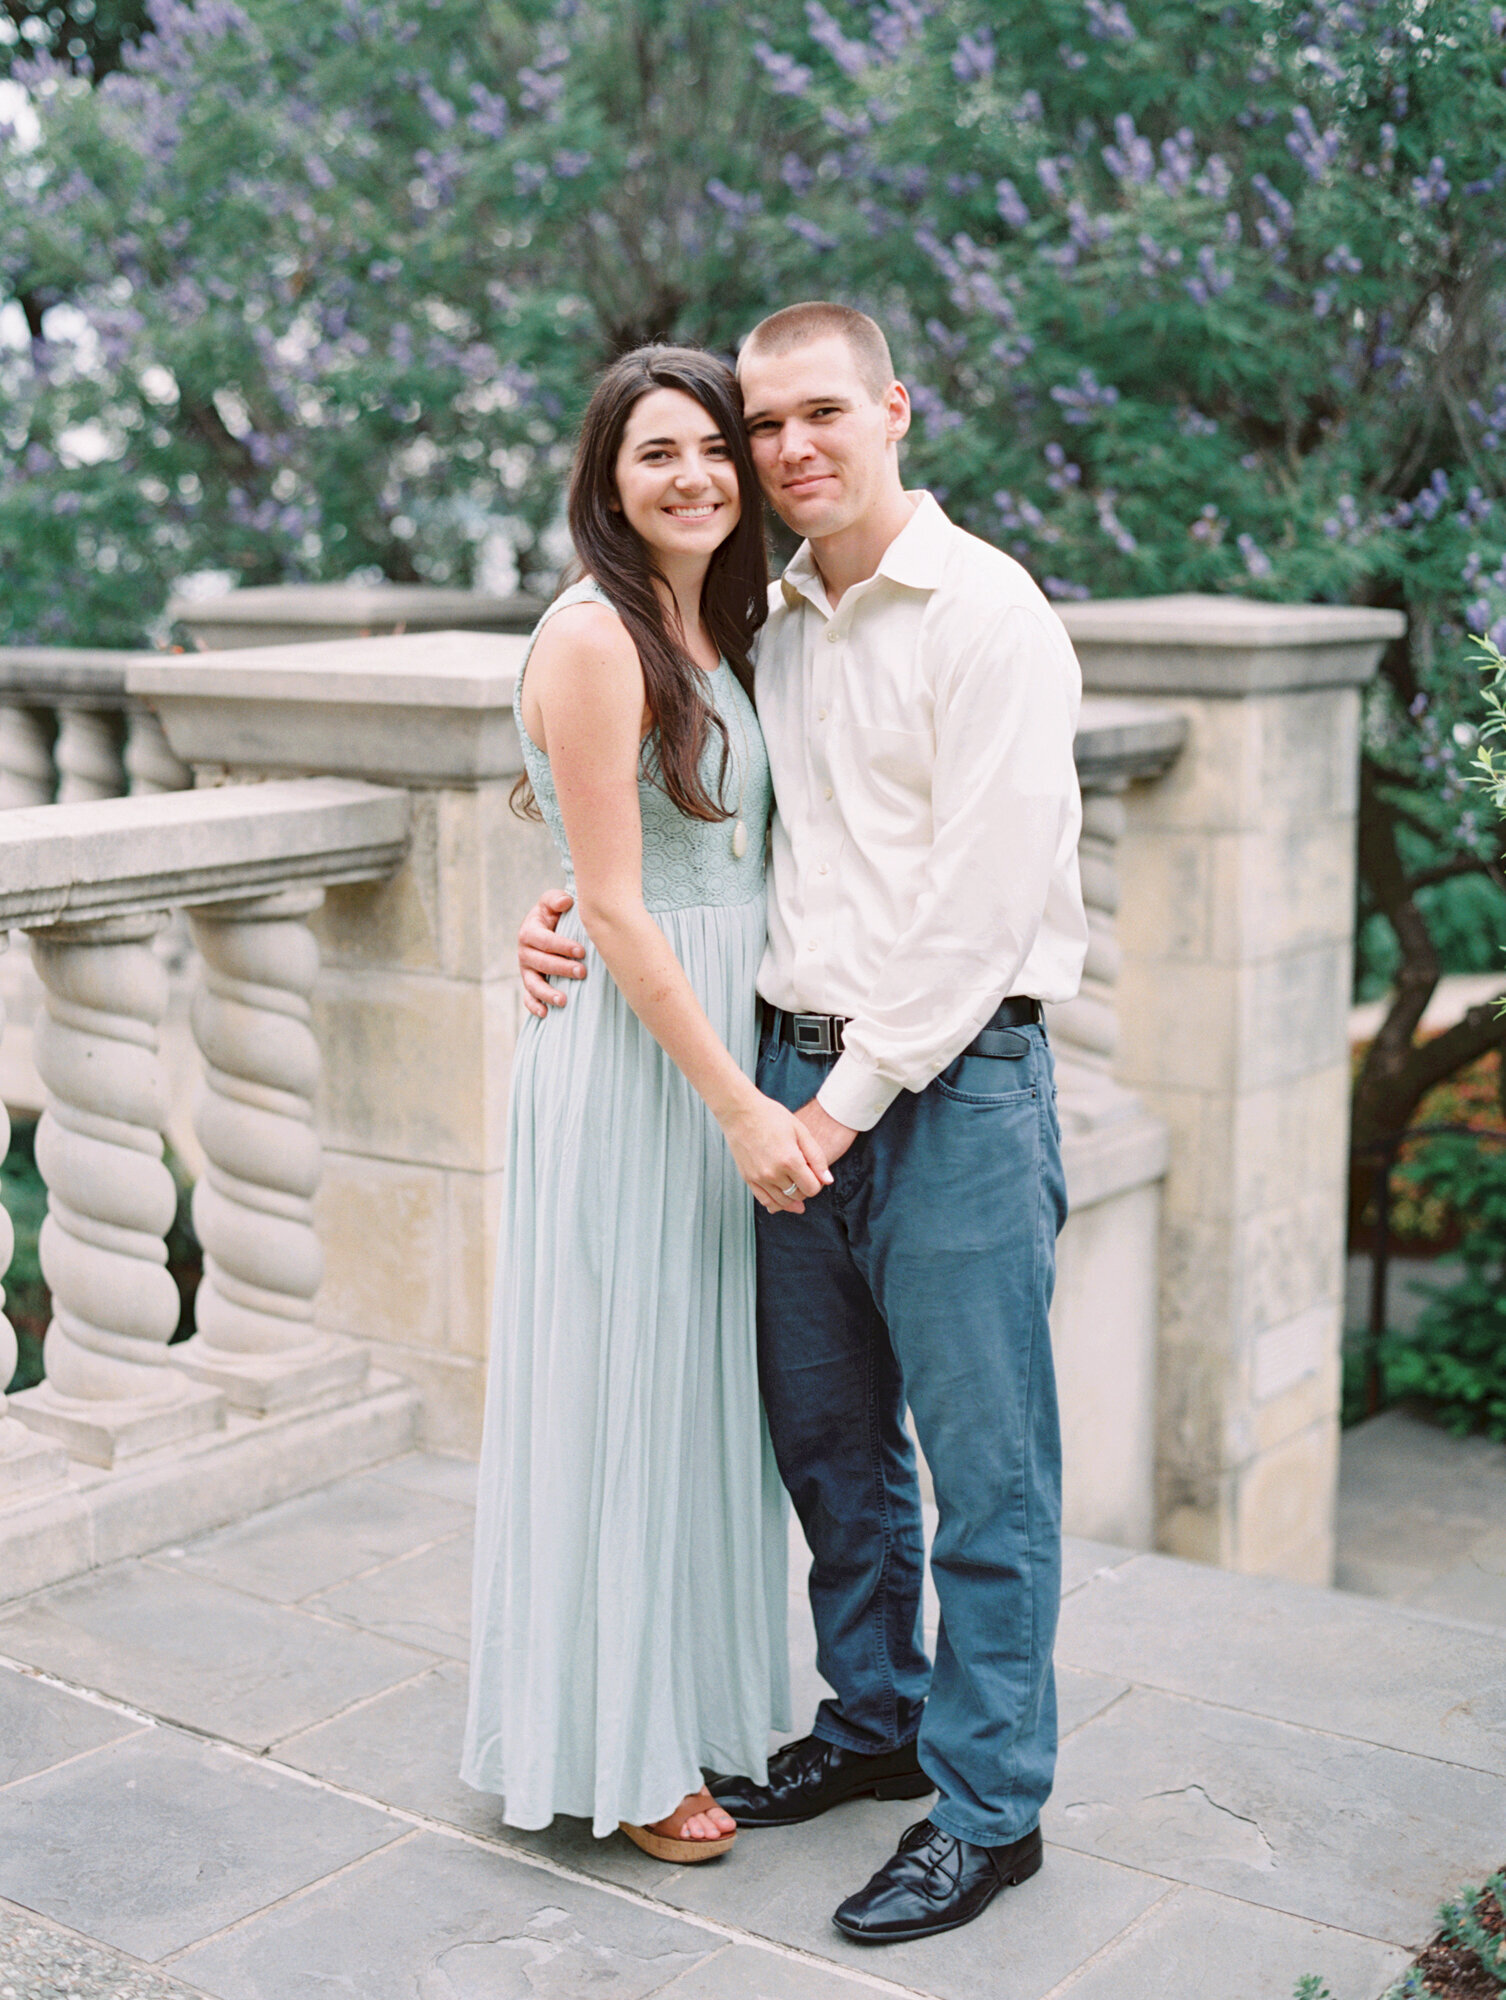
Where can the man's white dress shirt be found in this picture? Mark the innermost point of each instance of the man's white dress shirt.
(925, 844)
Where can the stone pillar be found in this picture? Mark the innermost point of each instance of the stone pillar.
(253, 1206)
(1103, 1317)
(1235, 926)
(109, 1392)
(26, 1460)
(90, 755)
(418, 1002)
(28, 776)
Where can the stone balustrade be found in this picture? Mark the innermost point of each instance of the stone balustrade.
(93, 885)
(356, 1033)
(69, 731)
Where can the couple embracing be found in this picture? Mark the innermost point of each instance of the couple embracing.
(862, 1047)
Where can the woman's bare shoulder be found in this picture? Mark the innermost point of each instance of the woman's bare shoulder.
(585, 634)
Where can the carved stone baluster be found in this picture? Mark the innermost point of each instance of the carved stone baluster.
(88, 754)
(110, 1200)
(253, 1206)
(26, 1460)
(1086, 1030)
(28, 776)
(149, 762)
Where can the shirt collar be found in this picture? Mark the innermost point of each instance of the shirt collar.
(915, 558)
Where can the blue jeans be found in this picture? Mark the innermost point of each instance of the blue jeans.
(923, 1275)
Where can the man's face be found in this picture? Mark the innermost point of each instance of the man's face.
(821, 439)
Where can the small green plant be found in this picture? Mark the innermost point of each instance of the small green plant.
(1490, 762)
(1465, 1961)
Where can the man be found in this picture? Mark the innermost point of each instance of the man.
(919, 698)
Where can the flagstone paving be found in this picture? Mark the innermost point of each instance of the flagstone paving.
(228, 1770)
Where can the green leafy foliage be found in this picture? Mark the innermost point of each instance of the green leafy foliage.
(28, 1299)
(1456, 1359)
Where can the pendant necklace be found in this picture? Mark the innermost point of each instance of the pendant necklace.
(739, 830)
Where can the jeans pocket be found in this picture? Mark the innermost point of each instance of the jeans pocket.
(987, 1083)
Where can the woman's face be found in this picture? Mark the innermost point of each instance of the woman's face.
(676, 481)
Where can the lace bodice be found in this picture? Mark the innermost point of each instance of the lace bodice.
(686, 862)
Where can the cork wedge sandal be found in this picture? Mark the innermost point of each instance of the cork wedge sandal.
(670, 1846)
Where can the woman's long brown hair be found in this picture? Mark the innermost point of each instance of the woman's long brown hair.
(734, 596)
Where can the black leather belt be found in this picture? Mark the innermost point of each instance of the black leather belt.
(821, 1034)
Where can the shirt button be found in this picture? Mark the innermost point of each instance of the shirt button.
(832, 635)
(823, 869)
(827, 793)
(812, 945)
(820, 715)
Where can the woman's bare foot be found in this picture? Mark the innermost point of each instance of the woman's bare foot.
(696, 1817)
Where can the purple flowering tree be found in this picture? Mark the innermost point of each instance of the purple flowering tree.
(317, 289)
(1198, 296)
(1203, 296)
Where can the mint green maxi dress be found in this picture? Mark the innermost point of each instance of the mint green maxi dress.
(629, 1592)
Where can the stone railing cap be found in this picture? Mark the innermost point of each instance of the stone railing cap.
(1194, 619)
(1225, 646)
(81, 676)
(110, 857)
(432, 670)
(345, 606)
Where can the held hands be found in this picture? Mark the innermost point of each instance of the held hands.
(543, 956)
(819, 1127)
(775, 1154)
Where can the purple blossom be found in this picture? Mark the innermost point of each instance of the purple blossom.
(1111, 524)
(1316, 150)
(489, 118)
(1342, 258)
(438, 107)
(1108, 23)
(811, 232)
(1087, 231)
(851, 57)
(935, 415)
(787, 77)
(1049, 173)
(1432, 189)
(1011, 207)
(1257, 562)
(1131, 159)
(1433, 498)
(528, 177)
(1070, 58)
(318, 170)
(738, 206)
(1345, 518)
(1079, 401)
(796, 175)
(1178, 159)
(1064, 592)
(974, 57)
(570, 165)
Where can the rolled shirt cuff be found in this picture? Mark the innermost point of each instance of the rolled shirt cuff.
(855, 1094)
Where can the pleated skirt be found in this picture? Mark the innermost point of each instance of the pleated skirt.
(628, 1617)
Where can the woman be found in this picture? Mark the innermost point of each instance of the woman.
(629, 1586)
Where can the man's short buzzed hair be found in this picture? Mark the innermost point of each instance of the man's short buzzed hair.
(817, 319)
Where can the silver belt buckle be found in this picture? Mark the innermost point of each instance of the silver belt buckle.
(817, 1034)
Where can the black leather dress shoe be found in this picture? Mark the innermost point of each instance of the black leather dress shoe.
(935, 1882)
(809, 1777)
